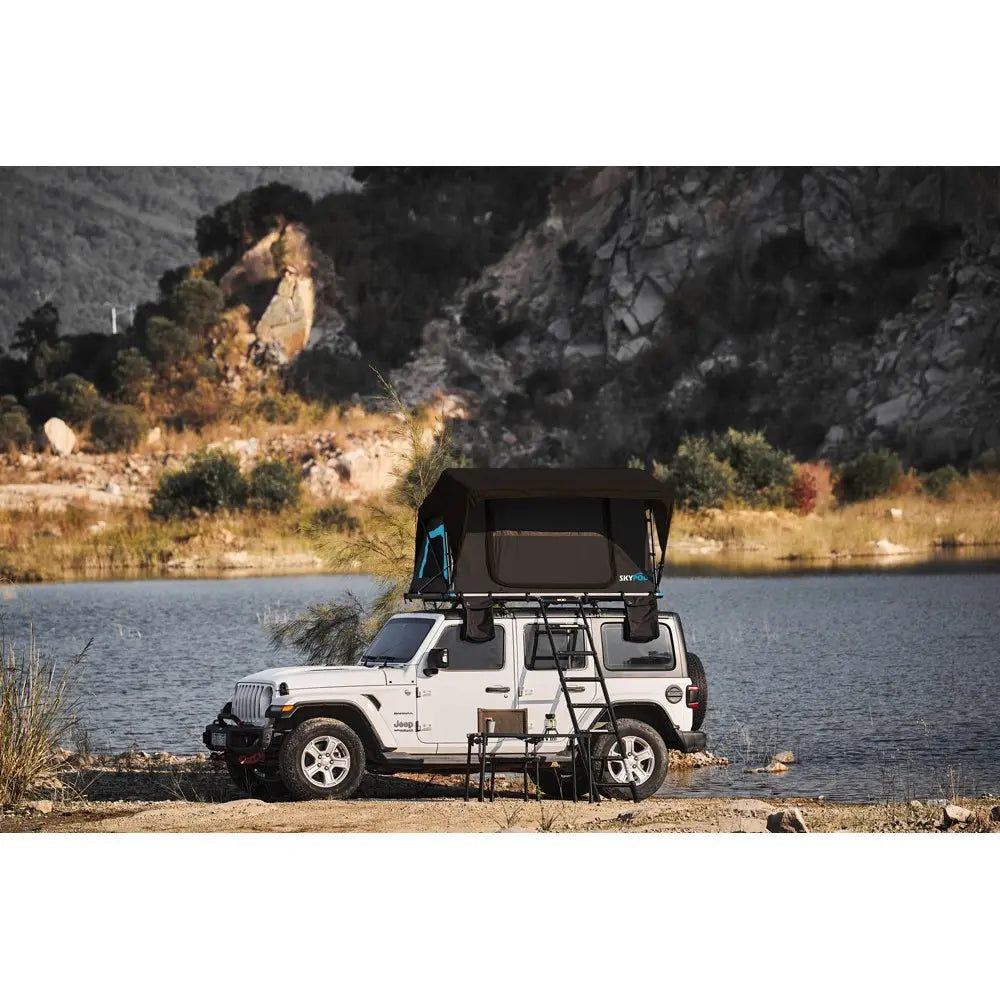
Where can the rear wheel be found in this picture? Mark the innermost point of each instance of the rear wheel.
(644, 760)
(696, 671)
(322, 759)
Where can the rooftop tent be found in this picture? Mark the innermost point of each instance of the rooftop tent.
(505, 532)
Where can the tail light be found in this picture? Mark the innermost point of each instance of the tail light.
(693, 696)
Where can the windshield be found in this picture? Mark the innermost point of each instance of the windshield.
(398, 641)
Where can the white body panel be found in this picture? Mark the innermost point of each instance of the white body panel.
(426, 714)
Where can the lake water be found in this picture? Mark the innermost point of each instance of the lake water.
(884, 684)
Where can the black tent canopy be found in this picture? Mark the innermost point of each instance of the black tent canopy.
(505, 532)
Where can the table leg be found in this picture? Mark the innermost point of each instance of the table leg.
(468, 765)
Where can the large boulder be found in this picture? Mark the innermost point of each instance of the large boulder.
(58, 436)
(786, 821)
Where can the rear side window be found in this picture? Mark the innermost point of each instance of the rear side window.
(621, 655)
(567, 640)
(472, 655)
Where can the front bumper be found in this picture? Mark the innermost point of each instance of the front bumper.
(228, 735)
(693, 741)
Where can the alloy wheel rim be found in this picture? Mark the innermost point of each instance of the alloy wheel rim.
(638, 762)
(325, 761)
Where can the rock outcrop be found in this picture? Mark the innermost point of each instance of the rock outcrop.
(272, 295)
(835, 309)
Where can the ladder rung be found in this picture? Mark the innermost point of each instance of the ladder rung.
(600, 704)
(583, 680)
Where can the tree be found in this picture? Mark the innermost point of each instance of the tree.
(132, 375)
(41, 327)
(337, 632)
(196, 304)
(167, 343)
(235, 225)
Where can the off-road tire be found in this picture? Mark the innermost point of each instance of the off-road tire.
(696, 671)
(295, 745)
(657, 774)
(255, 781)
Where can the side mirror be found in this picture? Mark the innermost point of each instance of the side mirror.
(437, 659)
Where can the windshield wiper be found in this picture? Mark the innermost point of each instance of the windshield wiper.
(384, 660)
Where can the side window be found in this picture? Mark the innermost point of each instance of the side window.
(621, 655)
(567, 640)
(472, 655)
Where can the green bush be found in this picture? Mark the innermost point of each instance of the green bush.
(870, 475)
(211, 482)
(76, 400)
(938, 482)
(275, 485)
(132, 374)
(699, 478)
(988, 461)
(167, 343)
(116, 427)
(333, 517)
(280, 409)
(15, 431)
(763, 473)
(196, 304)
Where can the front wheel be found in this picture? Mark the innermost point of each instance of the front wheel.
(322, 759)
(644, 759)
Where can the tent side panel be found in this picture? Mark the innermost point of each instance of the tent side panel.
(549, 544)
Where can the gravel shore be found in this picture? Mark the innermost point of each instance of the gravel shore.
(139, 792)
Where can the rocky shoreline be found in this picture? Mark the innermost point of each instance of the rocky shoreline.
(159, 792)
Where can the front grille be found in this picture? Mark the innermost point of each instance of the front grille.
(251, 701)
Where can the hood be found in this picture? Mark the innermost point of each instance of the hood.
(301, 679)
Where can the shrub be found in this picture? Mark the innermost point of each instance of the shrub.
(803, 492)
(938, 483)
(333, 517)
(132, 374)
(211, 481)
(36, 712)
(870, 475)
(196, 304)
(280, 409)
(763, 473)
(275, 485)
(15, 431)
(167, 343)
(698, 477)
(116, 427)
(76, 400)
(988, 461)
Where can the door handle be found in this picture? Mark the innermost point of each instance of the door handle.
(575, 688)
(498, 690)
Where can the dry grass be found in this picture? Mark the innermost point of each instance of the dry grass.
(969, 517)
(80, 542)
(36, 712)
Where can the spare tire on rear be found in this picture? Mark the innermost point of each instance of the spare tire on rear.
(696, 671)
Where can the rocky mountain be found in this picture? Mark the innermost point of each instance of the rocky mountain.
(87, 238)
(836, 309)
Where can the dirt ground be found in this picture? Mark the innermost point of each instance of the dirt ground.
(160, 793)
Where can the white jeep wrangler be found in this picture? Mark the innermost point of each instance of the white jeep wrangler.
(415, 697)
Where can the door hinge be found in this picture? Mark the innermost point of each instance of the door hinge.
(423, 692)
(423, 727)
(525, 691)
